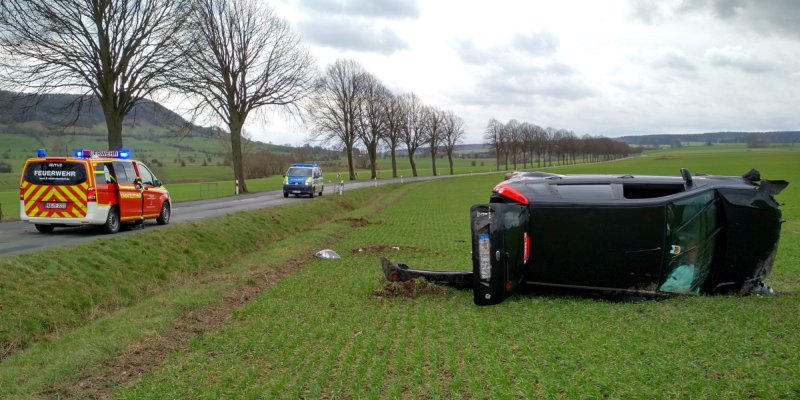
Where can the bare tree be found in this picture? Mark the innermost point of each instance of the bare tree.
(394, 121)
(115, 51)
(371, 122)
(494, 130)
(242, 57)
(434, 124)
(336, 104)
(413, 127)
(452, 134)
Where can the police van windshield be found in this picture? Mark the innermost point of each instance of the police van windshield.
(55, 173)
(296, 171)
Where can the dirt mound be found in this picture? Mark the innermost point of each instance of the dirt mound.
(409, 289)
(359, 222)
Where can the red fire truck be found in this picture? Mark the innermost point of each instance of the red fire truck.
(103, 188)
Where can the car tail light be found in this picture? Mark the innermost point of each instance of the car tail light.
(526, 251)
(91, 196)
(510, 193)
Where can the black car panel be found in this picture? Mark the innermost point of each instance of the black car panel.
(652, 235)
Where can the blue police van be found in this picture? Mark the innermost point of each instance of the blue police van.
(303, 179)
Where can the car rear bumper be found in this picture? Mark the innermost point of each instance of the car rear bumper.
(95, 215)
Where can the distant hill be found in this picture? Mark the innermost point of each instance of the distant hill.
(785, 137)
(56, 113)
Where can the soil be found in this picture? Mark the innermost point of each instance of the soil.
(359, 222)
(382, 248)
(408, 289)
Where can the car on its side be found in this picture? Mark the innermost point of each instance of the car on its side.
(628, 234)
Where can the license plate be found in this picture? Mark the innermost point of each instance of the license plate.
(296, 191)
(55, 206)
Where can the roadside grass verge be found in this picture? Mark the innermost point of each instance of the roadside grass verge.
(323, 332)
(48, 293)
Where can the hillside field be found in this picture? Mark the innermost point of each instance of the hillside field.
(236, 307)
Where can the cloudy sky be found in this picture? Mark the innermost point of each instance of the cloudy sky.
(612, 67)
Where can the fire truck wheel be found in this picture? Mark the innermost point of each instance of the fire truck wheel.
(285, 194)
(44, 228)
(112, 221)
(163, 218)
(311, 193)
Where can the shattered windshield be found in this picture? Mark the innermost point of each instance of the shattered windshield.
(692, 227)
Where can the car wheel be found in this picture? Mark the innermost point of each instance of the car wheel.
(166, 212)
(112, 221)
(311, 193)
(44, 228)
(321, 190)
(285, 194)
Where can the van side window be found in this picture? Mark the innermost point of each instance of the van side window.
(146, 175)
(125, 172)
(103, 172)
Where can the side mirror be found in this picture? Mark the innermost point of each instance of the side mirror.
(156, 183)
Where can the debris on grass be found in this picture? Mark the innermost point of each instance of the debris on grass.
(328, 254)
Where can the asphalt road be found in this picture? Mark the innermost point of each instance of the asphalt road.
(19, 237)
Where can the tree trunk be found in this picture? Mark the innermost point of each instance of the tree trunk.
(350, 168)
(394, 163)
(433, 161)
(373, 159)
(113, 124)
(450, 159)
(413, 165)
(236, 153)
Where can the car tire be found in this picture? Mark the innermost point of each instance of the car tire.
(321, 190)
(112, 223)
(285, 194)
(165, 214)
(311, 193)
(44, 228)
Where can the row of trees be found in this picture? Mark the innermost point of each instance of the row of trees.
(229, 57)
(351, 106)
(523, 142)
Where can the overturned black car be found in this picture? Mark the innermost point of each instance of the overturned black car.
(630, 234)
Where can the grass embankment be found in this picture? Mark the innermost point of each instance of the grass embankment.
(63, 313)
(331, 330)
(324, 333)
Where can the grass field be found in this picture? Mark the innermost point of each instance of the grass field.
(330, 328)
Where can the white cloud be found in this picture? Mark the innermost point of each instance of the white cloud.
(737, 57)
(348, 34)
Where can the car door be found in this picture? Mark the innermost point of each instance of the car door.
(151, 196)
(130, 196)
